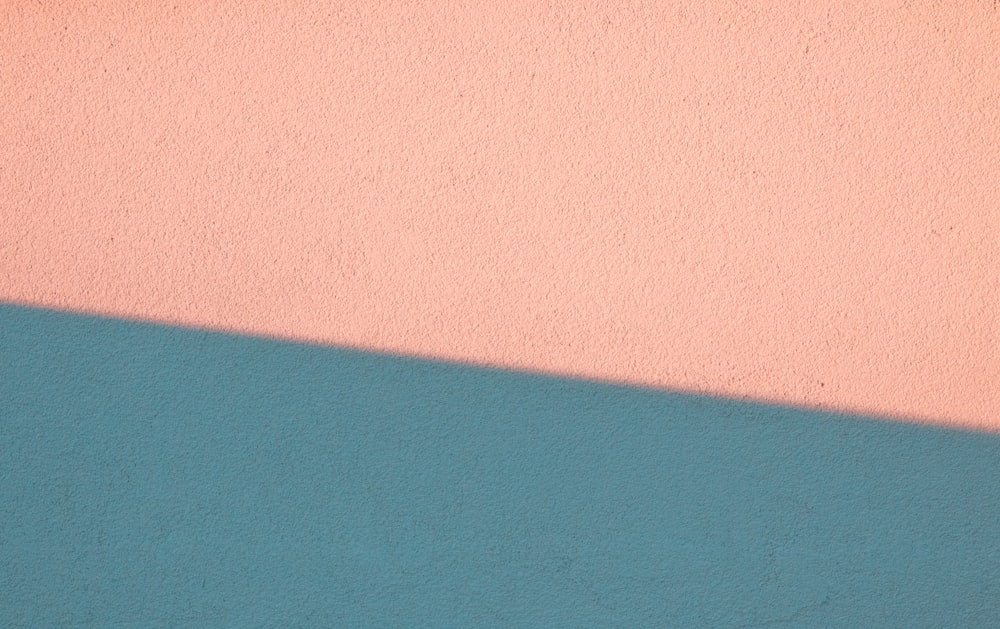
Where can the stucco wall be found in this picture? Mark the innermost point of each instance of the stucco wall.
(789, 203)
(397, 263)
(161, 477)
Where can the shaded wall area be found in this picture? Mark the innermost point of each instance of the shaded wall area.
(158, 476)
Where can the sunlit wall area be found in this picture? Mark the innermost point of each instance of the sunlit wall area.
(784, 203)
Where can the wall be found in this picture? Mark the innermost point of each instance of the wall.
(502, 314)
(793, 204)
(156, 476)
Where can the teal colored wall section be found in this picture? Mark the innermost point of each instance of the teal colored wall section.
(152, 476)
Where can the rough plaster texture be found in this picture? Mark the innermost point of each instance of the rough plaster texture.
(161, 477)
(764, 200)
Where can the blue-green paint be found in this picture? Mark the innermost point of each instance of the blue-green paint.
(153, 476)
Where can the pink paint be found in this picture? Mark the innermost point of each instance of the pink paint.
(798, 205)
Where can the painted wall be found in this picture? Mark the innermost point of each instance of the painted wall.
(758, 200)
(478, 224)
(160, 477)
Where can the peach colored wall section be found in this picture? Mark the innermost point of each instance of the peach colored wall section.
(757, 200)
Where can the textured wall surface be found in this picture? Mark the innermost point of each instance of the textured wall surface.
(759, 217)
(154, 477)
(794, 203)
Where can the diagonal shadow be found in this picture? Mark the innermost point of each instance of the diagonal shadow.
(160, 476)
